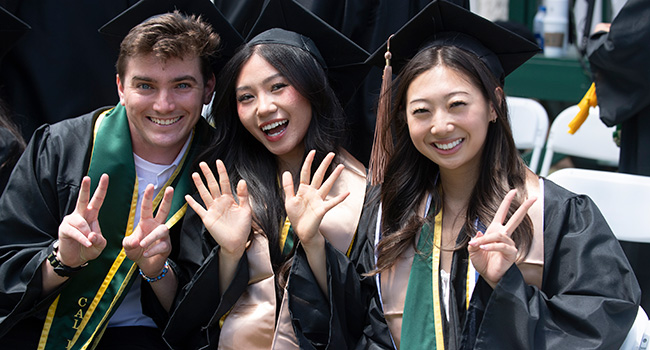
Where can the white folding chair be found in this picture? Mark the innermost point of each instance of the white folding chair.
(623, 201)
(529, 123)
(622, 198)
(638, 338)
(593, 140)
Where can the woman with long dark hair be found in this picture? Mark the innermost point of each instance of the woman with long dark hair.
(464, 247)
(12, 145)
(286, 187)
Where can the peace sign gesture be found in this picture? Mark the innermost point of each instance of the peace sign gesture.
(80, 237)
(149, 245)
(227, 220)
(493, 252)
(307, 207)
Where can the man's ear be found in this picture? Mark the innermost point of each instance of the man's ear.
(120, 88)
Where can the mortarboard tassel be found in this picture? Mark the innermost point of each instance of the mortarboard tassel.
(382, 146)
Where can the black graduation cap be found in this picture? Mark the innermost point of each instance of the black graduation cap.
(11, 30)
(444, 23)
(120, 26)
(288, 22)
(441, 23)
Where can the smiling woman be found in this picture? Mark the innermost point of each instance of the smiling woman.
(468, 248)
(273, 111)
(448, 125)
(277, 115)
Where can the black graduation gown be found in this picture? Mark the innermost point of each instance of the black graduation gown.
(194, 323)
(588, 299)
(42, 190)
(619, 63)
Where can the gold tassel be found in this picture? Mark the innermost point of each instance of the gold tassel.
(382, 146)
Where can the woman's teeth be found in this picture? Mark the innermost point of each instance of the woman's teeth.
(446, 146)
(269, 127)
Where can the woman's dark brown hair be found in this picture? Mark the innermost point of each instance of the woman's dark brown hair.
(15, 147)
(410, 176)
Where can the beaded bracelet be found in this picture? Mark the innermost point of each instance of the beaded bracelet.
(157, 278)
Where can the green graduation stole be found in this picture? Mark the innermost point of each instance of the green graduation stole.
(422, 319)
(287, 237)
(422, 326)
(78, 316)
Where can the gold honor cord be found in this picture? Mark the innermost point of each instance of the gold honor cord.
(48, 323)
(284, 232)
(435, 265)
(422, 322)
(122, 256)
(435, 278)
(111, 273)
(116, 264)
(52, 309)
(468, 284)
(351, 244)
(98, 122)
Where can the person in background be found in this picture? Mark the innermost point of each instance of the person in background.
(622, 78)
(287, 193)
(45, 76)
(463, 246)
(618, 54)
(12, 143)
(88, 264)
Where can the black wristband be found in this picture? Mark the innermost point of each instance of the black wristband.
(59, 268)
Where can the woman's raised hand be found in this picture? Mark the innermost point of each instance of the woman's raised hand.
(308, 205)
(228, 220)
(492, 253)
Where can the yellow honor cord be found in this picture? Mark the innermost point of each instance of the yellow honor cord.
(435, 270)
(284, 232)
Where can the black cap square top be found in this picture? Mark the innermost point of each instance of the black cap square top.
(288, 22)
(444, 23)
(11, 30)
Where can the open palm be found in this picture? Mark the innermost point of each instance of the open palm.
(307, 207)
(228, 220)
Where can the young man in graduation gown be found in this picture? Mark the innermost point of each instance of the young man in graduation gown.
(88, 263)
